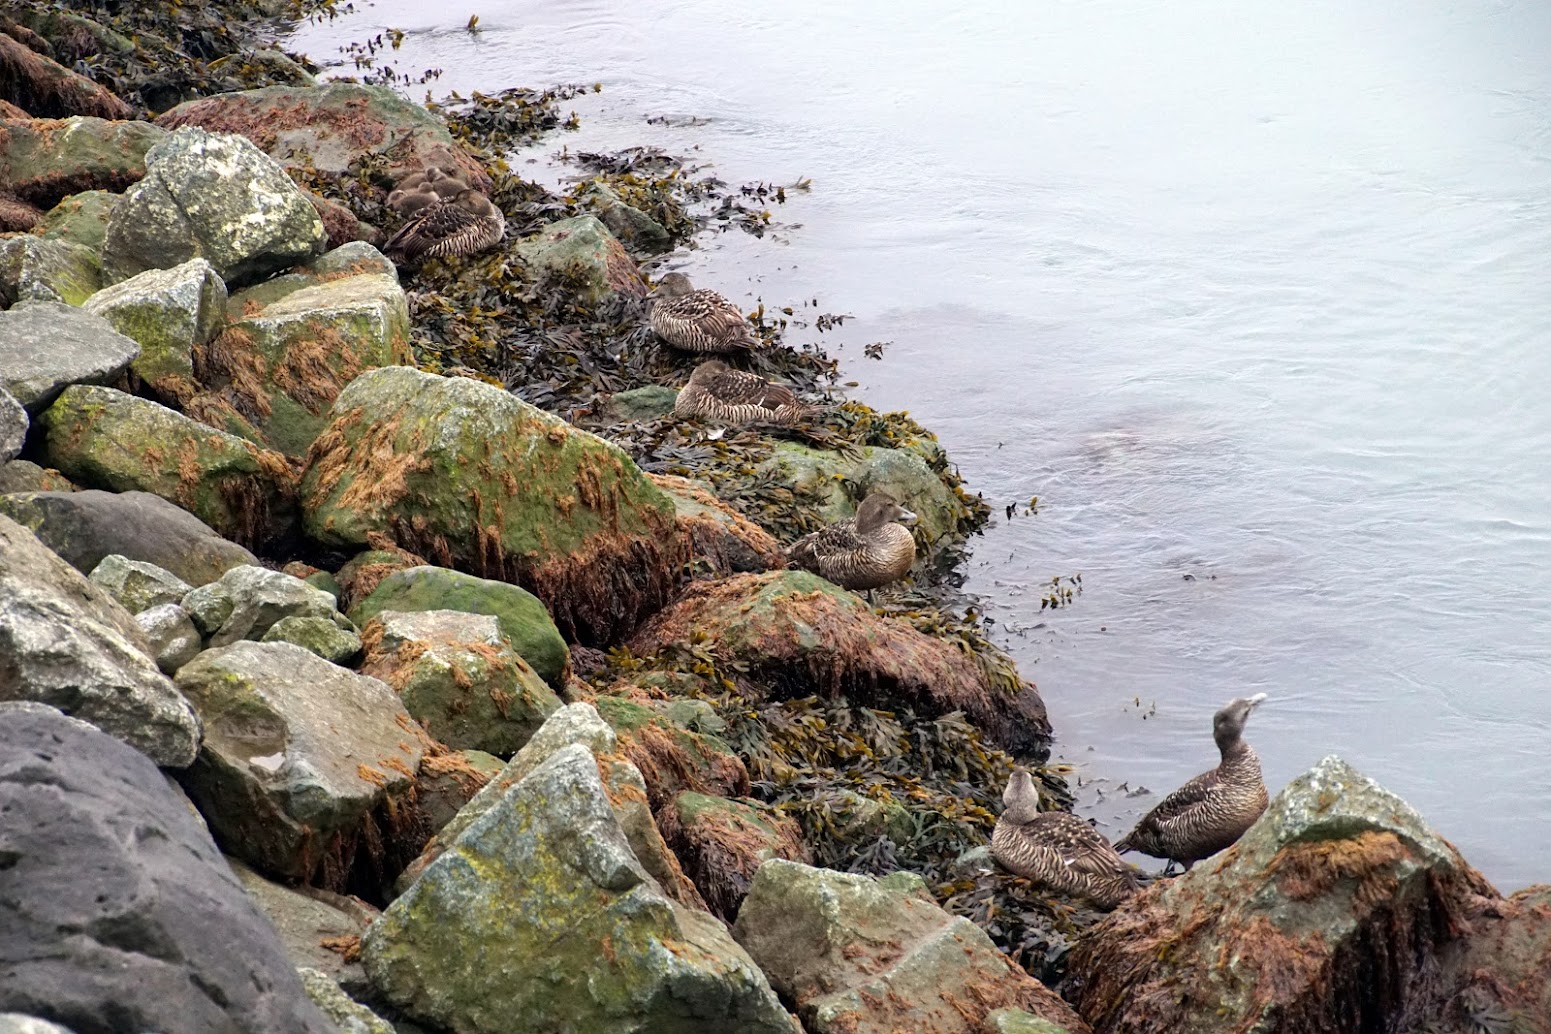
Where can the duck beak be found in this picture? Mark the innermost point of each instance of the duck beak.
(1255, 700)
(906, 515)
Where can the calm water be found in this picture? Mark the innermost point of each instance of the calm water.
(1256, 298)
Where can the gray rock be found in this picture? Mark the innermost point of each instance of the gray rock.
(13, 427)
(297, 753)
(648, 403)
(26, 476)
(48, 159)
(36, 269)
(170, 631)
(47, 346)
(66, 643)
(215, 196)
(581, 247)
(246, 601)
(16, 1023)
(81, 218)
(307, 917)
(634, 228)
(1016, 1021)
(320, 635)
(138, 585)
(349, 1016)
(85, 527)
(168, 311)
(120, 914)
(353, 259)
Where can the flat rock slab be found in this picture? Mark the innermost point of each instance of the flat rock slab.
(47, 346)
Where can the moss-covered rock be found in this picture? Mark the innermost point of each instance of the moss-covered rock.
(634, 228)
(720, 538)
(582, 251)
(36, 269)
(107, 439)
(47, 346)
(47, 159)
(320, 635)
(672, 758)
(138, 585)
(648, 402)
(425, 459)
(722, 843)
(80, 219)
(168, 312)
(362, 573)
(246, 602)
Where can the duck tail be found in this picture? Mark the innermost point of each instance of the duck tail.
(1124, 844)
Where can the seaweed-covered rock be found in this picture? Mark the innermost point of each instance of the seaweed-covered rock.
(572, 933)
(324, 636)
(582, 249)
(297, 754)
(363, 573)
(342, 225)
(136, 584)
(560, 511)
(36, 269)
(672, 758)
(350, 1017)
(80, 219)
(245, 602)
(449, 781)
(722, 843)
(13, 427)
(46, 159)
(458, 676)
(216, 197)
(634, 228)
(47, 346)
(1500, 971)
(308, 920)
(168, 311)
(66, 643)
(84, 527)
(793, 634)
(721, 538)
(1331, 911)
(107, 439)
(865, 956)
(120, 915)
(173, 639)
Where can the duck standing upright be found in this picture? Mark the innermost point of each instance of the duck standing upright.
(1211, 811)
(1056, 848)
(718, 392)
(867, 551)
(698, 320)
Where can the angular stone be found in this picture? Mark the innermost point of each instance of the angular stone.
(1016, 1021)
(120, 914)
(719, 537)
(320, 635)
(66, 643)
(48, 159)
(582, 247)
(672, 759)
(13, 427)
(449, 781)
(173, 639)
(168, 311)
(634, 228)
(307, 922)
(573, 933)
(138, 585)
(47, 346)
(80, 219)
(348, 1016)
(20, 476)
(211, 196)
(245, 602)
(357, 258)
(36, 269)
(297, 753)
(107, 439)
(722, 843)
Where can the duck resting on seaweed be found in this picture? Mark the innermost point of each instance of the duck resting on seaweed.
(1057, 849)
(716, 391)
(867, 551)
(462, 226)
(1213, 810)
(698, 320)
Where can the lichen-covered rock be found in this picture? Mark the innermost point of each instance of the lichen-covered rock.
(308, 921)
(80, 219)
(85, 527)
(1016, 1021)
(523, 618)
(722, 843)
(560, 511)
(168, 311)
(1326, 916)
(47, 346)
(790, 633)
(138, 585)
(20, 476)
(216, 197)
(36, 269)
(107, 439)
(349, 1016)
(245, 602)
(173, 639)
(297, 754)
(866, 956)
(47, 159)
(720, 538)
(66, 643)
(13, 427)
(582, 250)
(458, 676)
(671, 757)
(323, 636)
(573, 934)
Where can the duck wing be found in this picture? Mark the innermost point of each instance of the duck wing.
(837, 539)
(1176, 808)
(1082, 848)
(442, 228)
(740, 388)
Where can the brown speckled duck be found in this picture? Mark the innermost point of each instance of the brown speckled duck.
(718, 392)
(426, 177)
(698, 321)
(1057, 849)
(1213, 810)
(867, 551)
(466, 224)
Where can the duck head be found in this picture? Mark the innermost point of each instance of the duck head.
(879, 509)
(1228, 723)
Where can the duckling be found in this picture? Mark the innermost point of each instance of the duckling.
(425, 177)
(698, 321)
(466, 224)
(718, 392)
(1057, 849)
(867, 551)
(1213, 810)
(407, 202)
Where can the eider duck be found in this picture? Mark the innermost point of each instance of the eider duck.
(407, 202)
(698, 321)
(462, 226)
(1057, 849)
(1214, 809)
(425, 177)
(718, 392)
(867, 551)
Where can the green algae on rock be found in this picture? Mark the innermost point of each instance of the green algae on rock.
(583, 248)
(168, 312)
(722, 843)
(80, 219)
(670, 757)
(47, 160)
(320, 635)
(137, 585)
(37, 269)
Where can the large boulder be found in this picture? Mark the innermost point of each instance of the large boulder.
(119, 913)
(80, 219)
(425, 459)
(721, 540)
(865, 956)
(572, 932)
(793, 634)
(246, 602)
(582, 250)
(47, 346)
(66, 643)
(85, 527)
(297, 754)
(138, 585)
(36, 269)
(216, 197)
(46, 159)
(13, 427)
(168, 312)
(672, 757)
(107, 439)
(722, 843)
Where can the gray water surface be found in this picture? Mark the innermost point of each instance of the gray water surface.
(1256, 298)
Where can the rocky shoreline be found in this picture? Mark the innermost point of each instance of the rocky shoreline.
(376, 647)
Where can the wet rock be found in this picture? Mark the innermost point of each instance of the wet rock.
(47, 159)
(47, 346)
(720, 538)
(138, 585)
(320, 635)
(348, 1016)
(308, 924)
(84, 527)
(1016, 1021)
(66, 643)
(523, 619)
(721, 843)
(562, 512)
(792, 634)
(216, 197)
(173, 639)
(1498, 973)
(573, 933)
(582, 248)
(107, 439)
(1332, 908)
(168, 312)
(637, 404)
(120, 913)
(20, 476)
(672, 758)
(80, 219)
(634, 228)
(36, 269)
(297, 754)
(865, 956)
(245, 602)
(458, 677)
(13, 427)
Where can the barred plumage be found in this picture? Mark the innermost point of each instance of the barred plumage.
(867, 551)
(1057, 848)
(718, 392)
(1213, 810)
(466, 224)
(698, 321)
